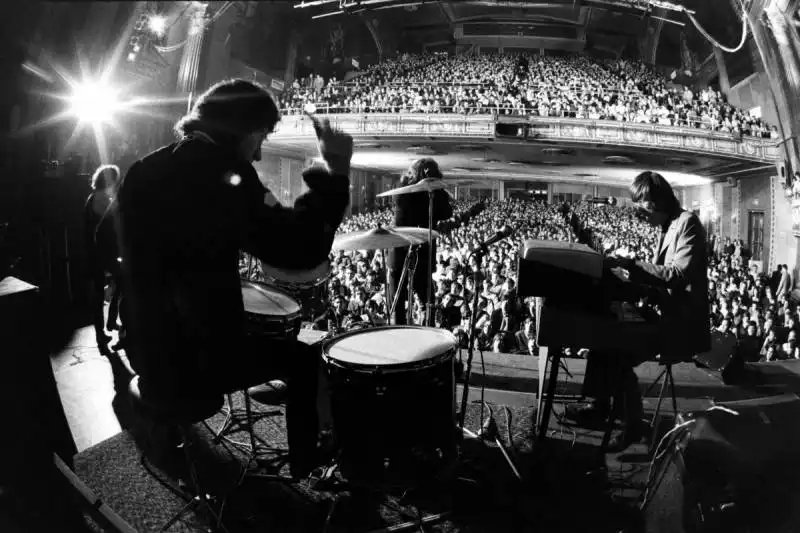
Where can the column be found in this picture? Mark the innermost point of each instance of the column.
(501, 190)
(779, 49)
(736, 209)
(216, 63)
(291, 58)
(724, 83)
(190, 61)
(719, 189)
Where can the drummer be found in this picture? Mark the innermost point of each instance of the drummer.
(411, 210)
(184, 213)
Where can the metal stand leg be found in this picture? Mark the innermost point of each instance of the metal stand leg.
(201, 500)
(407, 276)
(237, 421)
(547, 404)
(429, 318)
(668, 382)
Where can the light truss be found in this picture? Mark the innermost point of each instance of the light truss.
(342, 6)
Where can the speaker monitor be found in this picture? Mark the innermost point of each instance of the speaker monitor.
(729, 469)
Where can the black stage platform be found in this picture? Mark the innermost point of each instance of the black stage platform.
(562, 487)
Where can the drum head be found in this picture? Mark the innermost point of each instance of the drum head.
(390, 346)
(262, 300)
(316, 275)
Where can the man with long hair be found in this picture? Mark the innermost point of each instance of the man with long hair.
(184, 213)
(411, 210)
(101, 253)
(679, 284)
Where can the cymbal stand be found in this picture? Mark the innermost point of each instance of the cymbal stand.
(429, 318)
(409, 269)
(386, 280)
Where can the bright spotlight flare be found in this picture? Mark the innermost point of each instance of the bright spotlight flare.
(157, 24)
(94, 103)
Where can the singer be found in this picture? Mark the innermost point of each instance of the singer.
(411, 210)
(679, 279)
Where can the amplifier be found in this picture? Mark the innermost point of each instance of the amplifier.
(735, 467)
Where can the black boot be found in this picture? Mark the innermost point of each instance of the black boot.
(635, 431)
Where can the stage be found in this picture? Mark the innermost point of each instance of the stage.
(559, 473)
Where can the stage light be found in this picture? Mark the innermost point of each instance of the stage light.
(157, 24)
(94, 103)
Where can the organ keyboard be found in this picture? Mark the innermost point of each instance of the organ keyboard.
(580, 304)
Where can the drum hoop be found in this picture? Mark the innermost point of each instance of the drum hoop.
(387, 369)
(311, 277)
(288, 317)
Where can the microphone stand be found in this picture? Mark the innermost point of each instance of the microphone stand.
(473, 320)
(490, 430)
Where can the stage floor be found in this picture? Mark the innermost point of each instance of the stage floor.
(559, 474)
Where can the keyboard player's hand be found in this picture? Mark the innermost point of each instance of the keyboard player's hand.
(617, 262)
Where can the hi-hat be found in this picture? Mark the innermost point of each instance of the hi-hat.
(426, 185)
(382, 239)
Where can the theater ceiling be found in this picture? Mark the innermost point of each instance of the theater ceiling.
(514, 160)
(613, 26)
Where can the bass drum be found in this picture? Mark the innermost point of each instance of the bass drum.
(393, 403)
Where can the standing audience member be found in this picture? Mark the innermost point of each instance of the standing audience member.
(101, 249)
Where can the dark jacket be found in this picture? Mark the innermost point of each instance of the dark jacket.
(183, 213)
(99, 251)
(680, 269)
(411, 210)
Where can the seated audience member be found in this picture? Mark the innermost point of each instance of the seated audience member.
(525, 338)
(750, 344)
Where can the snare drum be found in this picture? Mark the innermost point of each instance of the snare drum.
(270, 312)
(393, 403)
(308, 287)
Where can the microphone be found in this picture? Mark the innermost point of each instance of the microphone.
(501, 234)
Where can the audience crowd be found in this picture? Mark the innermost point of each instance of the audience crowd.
(754, 310)
(548, 86)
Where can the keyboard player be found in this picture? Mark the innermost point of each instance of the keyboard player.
(680, 277)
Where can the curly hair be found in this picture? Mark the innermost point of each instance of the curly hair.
(104, 177)
(230, 110)
(420, 169)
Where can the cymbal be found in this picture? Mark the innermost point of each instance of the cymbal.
(425, 185)
(382, 238)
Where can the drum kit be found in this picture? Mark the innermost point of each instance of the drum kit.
(391, 388)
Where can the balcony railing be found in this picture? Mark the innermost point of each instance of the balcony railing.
(655, 136)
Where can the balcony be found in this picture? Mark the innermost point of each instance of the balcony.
(568, 130)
